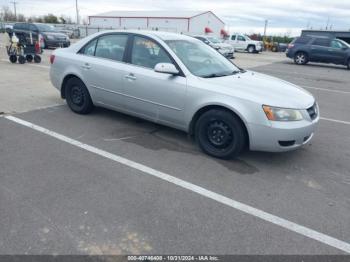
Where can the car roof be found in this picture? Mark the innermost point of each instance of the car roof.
(156, 34)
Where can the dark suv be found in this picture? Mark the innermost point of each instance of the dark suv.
(47, 35)
(319, 49)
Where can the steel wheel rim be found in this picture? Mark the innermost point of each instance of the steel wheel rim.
(77, 95)
(219, 134)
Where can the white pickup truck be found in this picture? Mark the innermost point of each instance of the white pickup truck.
(244, 43)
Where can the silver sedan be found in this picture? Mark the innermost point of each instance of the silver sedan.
(178, 81)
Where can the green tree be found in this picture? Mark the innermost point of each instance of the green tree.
(50, 19)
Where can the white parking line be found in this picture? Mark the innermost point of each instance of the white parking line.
(335, 120)
(307, 232)
(35, 65)
(327, 90)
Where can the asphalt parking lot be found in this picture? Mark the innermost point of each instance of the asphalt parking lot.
(98, 197)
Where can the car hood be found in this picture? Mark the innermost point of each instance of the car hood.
(262, 89)
(255, 42)
(222, 45)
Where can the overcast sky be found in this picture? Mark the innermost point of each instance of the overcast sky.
(284, 16)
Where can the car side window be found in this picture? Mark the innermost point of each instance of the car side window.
(89, 49)
(325, 42)
(33, 28)
(25, 27)
(147, 53)
(336, 44)
(111, 47)
(241, 38)
(233, 37)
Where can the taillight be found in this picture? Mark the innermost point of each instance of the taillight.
(52, 59)
(290, 46)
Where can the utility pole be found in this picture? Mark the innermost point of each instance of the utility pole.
(265, 28)
(14, 7)
(77, 10)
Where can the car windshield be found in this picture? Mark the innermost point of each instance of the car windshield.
(247, 38)
(344, 43)
(45, 28)
(214, 40)
(202, 60)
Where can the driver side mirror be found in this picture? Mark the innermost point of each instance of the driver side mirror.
(166, 68)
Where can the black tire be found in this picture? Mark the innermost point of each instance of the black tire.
(21, 59)
(301, 58)
(220, 133)
(13, 59)
(348, 64)
(251, 49)
(37, 59)
(29, 58)
(78, 97)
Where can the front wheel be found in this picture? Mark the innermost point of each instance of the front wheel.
(301, 58)
(78, 97)
(220, 133)
(21, 59)
(13, 58)
(251, 49)
(349, 64)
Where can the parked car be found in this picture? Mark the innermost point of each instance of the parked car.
(243, 43)
(178, 81)
(319, 49)
(223, 48)
(47, 35)
(4, 26)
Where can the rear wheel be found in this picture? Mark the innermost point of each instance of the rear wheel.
(301, 58)
(29, 58)
(349, 64)
(37, 59)
(220, 133)
(78, 97)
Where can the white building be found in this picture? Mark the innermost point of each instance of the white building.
(185, 22)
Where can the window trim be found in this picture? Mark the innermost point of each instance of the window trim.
(338, 48)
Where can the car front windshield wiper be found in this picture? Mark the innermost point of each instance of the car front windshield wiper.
(221, 75)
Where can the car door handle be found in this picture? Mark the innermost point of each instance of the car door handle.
(130, 76)
(86, 66)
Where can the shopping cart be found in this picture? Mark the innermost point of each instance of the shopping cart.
(24, 49)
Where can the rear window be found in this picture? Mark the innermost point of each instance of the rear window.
(302, 40)
(111, 47)
(322, 42)
(19, 26)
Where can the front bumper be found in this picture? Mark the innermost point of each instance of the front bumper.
(281, 136)
(227, 53)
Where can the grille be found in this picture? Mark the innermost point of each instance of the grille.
(313, 111)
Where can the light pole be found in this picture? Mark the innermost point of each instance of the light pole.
(14, 7)
(77, 10)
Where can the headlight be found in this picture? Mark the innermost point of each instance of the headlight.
(50, 37)
(282, 114)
